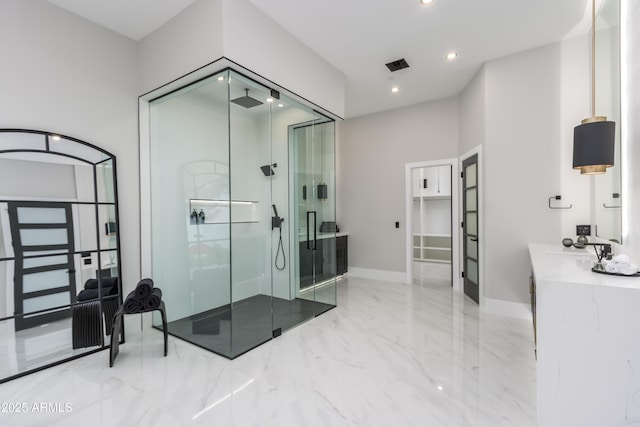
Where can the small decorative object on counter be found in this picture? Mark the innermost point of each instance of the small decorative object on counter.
(201, 217)
(567, 242)
(583, 240)
(194, 217)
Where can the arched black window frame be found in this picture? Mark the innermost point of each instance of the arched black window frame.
(109, 157)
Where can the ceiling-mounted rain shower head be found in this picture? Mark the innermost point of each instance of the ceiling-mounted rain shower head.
(246, 101)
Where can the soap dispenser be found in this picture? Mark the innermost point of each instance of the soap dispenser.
(194, 217)
(201, 217)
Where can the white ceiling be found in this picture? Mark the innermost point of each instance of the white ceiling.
(132, 18)
(359, 36)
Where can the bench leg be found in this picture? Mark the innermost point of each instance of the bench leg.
(114, 348)
(164, 330)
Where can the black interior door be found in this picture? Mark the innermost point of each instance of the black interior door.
(43, 243)
(471, 253)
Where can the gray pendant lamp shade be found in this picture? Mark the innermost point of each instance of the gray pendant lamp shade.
(593, 145)
(594, 139)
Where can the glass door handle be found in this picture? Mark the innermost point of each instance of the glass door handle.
(474, 239)
(308, 245)
(315, 237)
(315, 228)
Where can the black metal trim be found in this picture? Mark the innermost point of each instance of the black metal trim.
(55, 153)
(71, 253)
(327, 113)
(50, 365)
(59, 202)
(81, 252)
(70, 138)
(44, 292)
(58, 308)
(48, 267)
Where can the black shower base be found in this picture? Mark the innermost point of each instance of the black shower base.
(252, 323)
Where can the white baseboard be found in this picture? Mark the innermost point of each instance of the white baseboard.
(384, 275)
(520, 310)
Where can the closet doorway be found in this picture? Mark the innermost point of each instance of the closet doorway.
(432, 212)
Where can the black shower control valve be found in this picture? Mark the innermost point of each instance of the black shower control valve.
(276, 222)
(397, 224)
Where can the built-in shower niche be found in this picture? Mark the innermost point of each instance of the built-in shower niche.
(205, 211)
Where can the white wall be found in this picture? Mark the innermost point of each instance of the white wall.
(631, 123)
(255, 41)
(236, 29)
(533, 100)
(372, 152)
(190, 40)
(472, 113)
(23, 179)
(64, 74)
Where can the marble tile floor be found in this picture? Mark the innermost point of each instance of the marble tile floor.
(35, 347)
(390, 354)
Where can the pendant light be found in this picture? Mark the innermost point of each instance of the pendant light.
(594, 139)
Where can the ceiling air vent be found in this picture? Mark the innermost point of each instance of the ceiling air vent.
(398, 64)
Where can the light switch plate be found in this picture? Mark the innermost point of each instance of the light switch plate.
(583, 230)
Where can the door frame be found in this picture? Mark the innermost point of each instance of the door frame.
(455, 217)
(22, 322)
(480, 186)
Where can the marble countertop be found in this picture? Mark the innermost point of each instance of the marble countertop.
(587, 326)
(555, 263)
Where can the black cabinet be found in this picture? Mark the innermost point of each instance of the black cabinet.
(327, 260)
(342, 255)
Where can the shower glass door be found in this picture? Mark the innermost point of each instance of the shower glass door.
(251, 193)
(313, 153)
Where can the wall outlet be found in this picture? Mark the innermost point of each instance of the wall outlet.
(583, 230)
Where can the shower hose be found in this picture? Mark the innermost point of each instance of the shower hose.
(281, 250)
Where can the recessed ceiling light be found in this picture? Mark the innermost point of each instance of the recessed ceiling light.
(280, 105)
(426, 1)
(55, 137)
(452, 55)
(220, 78)
(269, 99)
(395, 89)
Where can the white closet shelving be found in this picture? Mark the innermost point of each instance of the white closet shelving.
(432, 214)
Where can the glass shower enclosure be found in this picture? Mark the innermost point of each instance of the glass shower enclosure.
(242, 202)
